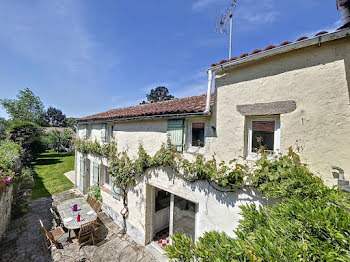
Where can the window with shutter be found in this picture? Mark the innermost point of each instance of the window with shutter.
(82, 174)
(103, 132)
(176, 133)
(96, 173)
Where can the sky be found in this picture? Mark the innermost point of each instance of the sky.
(89, 56)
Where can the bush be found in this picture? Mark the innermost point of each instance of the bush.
(310, 224)
(95, 191)
(60, 141)
(181, 249)
(29, 136)
(10, 153)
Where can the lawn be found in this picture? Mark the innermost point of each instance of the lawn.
(49, 175)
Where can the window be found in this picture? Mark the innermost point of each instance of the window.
(103, 132)
(198, 134)
(106, 178)
(263, 137)
(111, 132)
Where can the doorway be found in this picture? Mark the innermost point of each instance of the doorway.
(171, 214)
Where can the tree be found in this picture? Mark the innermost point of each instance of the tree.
(3, 128)
(158, 94)
(60, 140)
(55, 117)
(71, 122)
(29, 136)
(27, 107)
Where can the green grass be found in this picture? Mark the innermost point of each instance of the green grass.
(49, 178)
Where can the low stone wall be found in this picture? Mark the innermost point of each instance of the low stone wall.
(5, 208)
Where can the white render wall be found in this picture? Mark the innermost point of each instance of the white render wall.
(317, 78)
(216, 210)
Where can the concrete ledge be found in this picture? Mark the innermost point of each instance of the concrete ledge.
(70, 175)
(271, 108)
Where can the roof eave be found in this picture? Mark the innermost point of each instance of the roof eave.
(284, 49)
(142, 118)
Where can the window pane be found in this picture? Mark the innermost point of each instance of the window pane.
(198, 134)
(184, 217)
(107, 180)
(263, 136)
(162, 199)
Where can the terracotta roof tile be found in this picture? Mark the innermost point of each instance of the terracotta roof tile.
(193, 104)
(272, 46)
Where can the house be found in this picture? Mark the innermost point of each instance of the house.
(295, 93)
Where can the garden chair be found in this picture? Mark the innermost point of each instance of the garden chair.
(51, 236)
(92, 202)
(56, 217)
(88, 199)
(86, 234)
(97, 207)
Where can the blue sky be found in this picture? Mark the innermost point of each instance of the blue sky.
(89, 56)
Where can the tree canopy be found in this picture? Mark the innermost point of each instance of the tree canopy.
(55, 117)
(27, 107)
(161, 93)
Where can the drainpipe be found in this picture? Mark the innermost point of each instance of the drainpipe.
(344, 8)
(210, 83)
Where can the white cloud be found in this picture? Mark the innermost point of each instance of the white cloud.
(330, 28)
(201, 4)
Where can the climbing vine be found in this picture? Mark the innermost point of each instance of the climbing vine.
(125, 170)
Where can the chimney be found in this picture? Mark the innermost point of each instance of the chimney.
(344, 8)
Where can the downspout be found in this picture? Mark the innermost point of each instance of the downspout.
(210, 83)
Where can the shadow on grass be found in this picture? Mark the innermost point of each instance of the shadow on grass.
(47, 161)
(39, 189)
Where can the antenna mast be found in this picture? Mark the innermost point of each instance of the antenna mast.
(221, 27)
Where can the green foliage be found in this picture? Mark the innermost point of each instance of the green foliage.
(108, 150)
(55, 117)
(158, 94)
(10, 153)
(60, 141)
(95, 191)
(4, 124)
(27, 107)
(182, 249)
(71, 122)
(310, 223)
(29, 136)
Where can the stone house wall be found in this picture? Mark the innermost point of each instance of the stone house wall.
(5, 208)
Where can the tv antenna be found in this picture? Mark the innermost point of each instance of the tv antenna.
(222, 24)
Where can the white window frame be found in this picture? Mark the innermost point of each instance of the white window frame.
(108, 186)
(277, 137)
(196, 149)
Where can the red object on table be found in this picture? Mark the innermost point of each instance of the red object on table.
(78, 218)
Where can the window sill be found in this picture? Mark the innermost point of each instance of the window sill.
(255, 157)
(196, 150)
(107, 190)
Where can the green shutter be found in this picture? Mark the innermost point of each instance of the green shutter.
(96, 173)
(116, 191)
(176, 133)
(103, 132)
(82, 174)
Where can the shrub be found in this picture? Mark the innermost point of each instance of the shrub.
(29, 136)
(310, 224)
(10, 153)
(182, 249)
(95, 191)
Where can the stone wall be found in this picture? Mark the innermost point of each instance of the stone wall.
(5, 208)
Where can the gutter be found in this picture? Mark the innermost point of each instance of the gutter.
(141, 118)
(283, 49)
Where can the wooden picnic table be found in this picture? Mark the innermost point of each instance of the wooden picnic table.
(69, 217)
